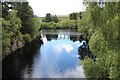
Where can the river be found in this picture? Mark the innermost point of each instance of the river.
(56, 57)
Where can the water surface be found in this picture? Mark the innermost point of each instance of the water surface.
(57, 57)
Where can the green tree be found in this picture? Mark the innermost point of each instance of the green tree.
(25, 13)
(102, 24)
(55, 19)
(73, 16)
(36, 28)
(10, 29)
(48, 17)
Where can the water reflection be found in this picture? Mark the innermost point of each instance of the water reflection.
(61, 34)
(59, 56)
(21, 61)
(56, 58)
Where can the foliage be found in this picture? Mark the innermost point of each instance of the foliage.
(68, 24)
(73, 16)
(36, 26)
(102, 24)
(55, 19)
(15, 22)
(19, 25)
(27, 38)
(98, 44)
(26, 18)
(63, 24)
(49, 18)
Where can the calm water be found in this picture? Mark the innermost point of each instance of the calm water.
(57, 57)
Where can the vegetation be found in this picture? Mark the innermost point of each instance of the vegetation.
(19, 24)
(63, 24)
(50, 18)
(75, 16)
(102, 24)
(53, 22)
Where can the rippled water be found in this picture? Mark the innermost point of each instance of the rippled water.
(57, 57)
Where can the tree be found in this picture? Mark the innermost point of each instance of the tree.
(36, 26)
(6, 8)
(55, 19)
(102, 24)
(80, 15)
(10, 29)
(26, 15)
(73, 16)
(48, 17)
(19, 25)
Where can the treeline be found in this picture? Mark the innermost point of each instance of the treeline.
(19, 25)
(54, 22)
(102, 24)
(75, 16)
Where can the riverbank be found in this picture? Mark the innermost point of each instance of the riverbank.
(17, 44)
(22, 57)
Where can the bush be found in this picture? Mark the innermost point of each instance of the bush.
(27, 38)
(6, 42)
(97, 43)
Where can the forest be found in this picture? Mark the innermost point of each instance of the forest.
(102, 24)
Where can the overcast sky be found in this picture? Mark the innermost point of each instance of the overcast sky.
(58, 7)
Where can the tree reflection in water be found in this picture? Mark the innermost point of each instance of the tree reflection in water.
(84, 51)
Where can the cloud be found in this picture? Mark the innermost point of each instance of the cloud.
(59, 47)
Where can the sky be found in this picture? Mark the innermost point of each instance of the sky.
(56, 7)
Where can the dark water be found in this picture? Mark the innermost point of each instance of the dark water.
(57, 57)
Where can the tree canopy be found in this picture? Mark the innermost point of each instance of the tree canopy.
(19, 25)
(102, 25)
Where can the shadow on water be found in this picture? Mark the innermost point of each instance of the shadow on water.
(13, 64)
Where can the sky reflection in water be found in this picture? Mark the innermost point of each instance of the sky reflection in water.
(58, 59)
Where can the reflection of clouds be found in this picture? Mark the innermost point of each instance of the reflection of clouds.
(78, 72)
(59, 47)
(67, 47)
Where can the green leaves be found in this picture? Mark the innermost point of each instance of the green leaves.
(102, 24)
(49, 18)
(63, 24)
(18, 22)
(27, 38)
(36, 26)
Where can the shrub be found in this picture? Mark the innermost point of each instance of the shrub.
(27, 38)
